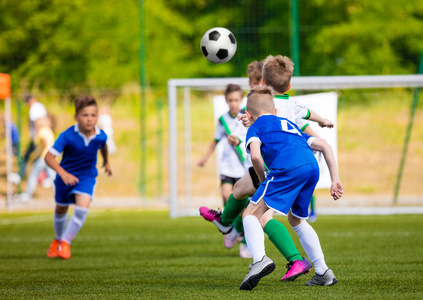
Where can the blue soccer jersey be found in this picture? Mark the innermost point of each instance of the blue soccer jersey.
(79, 152)
(283, 146)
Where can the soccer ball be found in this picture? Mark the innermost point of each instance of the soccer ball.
(218, 45)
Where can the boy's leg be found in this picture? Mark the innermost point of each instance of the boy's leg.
(75, 224)
(313, 214)
(311, 244)
(235, 205)
(262, 265)
(226, 190)
(59, 220)
(279, 236)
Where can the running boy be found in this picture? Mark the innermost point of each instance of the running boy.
(288, 186)
(231, 132)
(76, 173)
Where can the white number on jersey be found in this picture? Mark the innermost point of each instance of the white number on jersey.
(287, 127)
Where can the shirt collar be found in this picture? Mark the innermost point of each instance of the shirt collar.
(86, 139)
(284, 96)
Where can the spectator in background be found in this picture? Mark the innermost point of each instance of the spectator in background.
(105, 123)
(36, 111)
(14, 134)
(44, 140)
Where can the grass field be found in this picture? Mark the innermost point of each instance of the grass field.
(146, 255)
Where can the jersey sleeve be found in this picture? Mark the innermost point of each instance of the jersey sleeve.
(301, 111)
(308, 138)
(301, 123)
(59, 145)
(252, 136)
(219, 132)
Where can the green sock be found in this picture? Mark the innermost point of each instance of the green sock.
(237, 224)
(232, 209)
(312, 204)
(280, 237)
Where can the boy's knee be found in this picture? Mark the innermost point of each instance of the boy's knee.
(61, 209)
(294, 221)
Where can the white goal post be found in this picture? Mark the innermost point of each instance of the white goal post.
(306, 83)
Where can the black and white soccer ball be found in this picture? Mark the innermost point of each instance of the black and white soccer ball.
(218, 45)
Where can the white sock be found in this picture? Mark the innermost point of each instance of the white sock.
(59, 224)
(254, 236)
(311, 244)
(75, 223)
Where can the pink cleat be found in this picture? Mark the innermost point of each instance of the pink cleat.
(296, 268)
(214, 216)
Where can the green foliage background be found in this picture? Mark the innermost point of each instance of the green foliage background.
(75, 44)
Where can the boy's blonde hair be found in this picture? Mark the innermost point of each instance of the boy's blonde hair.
(260, 101)
(277, 72)
(254, 71)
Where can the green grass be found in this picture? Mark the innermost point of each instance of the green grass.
(145, 255)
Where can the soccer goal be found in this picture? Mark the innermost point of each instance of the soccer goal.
(364, 170)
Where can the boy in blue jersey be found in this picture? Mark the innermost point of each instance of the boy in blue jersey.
(76, 173)
(294, 173)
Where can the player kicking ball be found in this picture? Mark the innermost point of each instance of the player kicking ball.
(76, 173)
(288, 187)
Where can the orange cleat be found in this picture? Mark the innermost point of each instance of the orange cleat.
(64, 251)
(54, 249)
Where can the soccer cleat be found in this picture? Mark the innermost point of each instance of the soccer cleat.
(328, 278)
(244, 252)
(214, 216)
(257, 271)
(64, 250)
(53, 249)
(231, 239)
(297, 268)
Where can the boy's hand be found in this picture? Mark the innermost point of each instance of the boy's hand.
(233, 140)
(336, 190)
(107, 169)
(202, 162)
(69, 179)
(245, 120)
(326, 123)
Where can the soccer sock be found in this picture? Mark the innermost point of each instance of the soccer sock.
(313, 204)
(232, 209)
(311, 244)
(75, 223)
(254, 236)
(237, 224)
(280, 237)
(59, 224)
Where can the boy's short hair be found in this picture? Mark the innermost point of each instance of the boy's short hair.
(260, 101)
(83, 101)
(230, 88)
(277, 72)
(254, 70)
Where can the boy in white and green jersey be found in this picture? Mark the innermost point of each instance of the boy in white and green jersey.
(231, 133)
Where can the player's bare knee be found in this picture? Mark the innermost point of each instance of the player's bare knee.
(293, 220)
(61, 209)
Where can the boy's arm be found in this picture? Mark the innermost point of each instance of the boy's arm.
(206, 156)
(321, 121)
(105, 154)
(336, 189)
(257, 159)
(67, 178)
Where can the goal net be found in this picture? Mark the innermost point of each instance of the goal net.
(372, 135)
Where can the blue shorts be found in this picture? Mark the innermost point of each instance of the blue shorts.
(289, 191)
(65, 195)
